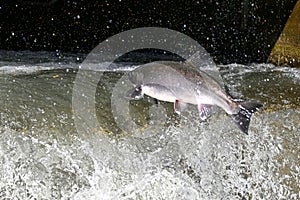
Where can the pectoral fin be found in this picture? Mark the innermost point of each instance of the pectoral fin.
(204, 111)
(179, 106)
(135, 93)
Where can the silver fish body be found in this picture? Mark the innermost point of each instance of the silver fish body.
(181, 83)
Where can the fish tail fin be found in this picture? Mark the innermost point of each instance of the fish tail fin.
(242, 118)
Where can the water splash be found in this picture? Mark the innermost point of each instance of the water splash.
(42, 156)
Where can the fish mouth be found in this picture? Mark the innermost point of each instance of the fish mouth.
(135, 93)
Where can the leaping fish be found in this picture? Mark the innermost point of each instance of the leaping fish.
(182, 83)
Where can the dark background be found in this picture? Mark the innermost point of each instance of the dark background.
(232, 31)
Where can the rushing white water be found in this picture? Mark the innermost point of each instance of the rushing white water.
(42, 156)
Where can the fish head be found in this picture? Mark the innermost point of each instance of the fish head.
(166, 81)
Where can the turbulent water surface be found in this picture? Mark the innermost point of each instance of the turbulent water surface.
(44, 156)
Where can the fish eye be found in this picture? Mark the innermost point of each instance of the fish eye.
(138, 88)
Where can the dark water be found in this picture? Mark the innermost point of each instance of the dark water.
(43, 155)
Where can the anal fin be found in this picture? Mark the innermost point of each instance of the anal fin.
(204, 111)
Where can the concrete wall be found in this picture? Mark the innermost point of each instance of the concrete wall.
(287, 48)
